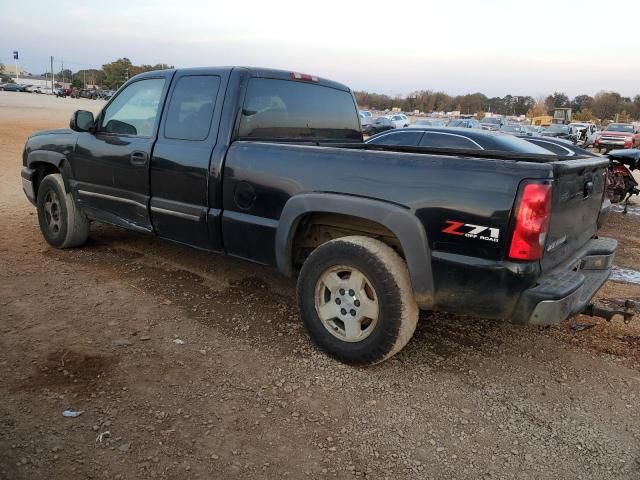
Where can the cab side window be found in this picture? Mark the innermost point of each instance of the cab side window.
(135, 110)
(191, 107)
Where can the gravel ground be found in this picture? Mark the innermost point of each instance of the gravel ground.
(190, 365)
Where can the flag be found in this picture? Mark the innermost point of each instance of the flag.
(15, 55)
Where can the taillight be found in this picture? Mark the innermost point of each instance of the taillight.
(532, 222)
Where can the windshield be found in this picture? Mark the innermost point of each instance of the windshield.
(511, 128)
(433, 123)
(457, 123)
(364, 113)
(558, 128)
(619, 127)
(492, 120)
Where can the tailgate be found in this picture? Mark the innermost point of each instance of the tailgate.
(578, 190)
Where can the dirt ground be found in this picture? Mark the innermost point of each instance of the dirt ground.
(190, 365)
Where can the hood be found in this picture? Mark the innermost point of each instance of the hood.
(57, 131)
(555, 134)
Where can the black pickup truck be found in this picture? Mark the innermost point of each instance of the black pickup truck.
(270, 166)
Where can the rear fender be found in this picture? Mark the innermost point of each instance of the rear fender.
(399, 220)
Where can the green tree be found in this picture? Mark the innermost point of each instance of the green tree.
(557, 100)
(584, 115)
(118, 72)
(581, 102)
(90, 76)
(607, 104)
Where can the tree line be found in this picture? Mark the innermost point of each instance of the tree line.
(110, 76)
(603, 105)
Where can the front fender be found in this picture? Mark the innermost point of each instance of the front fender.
(39, 158)
(399, 220)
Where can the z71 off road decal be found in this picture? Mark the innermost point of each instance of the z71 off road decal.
(472, 231)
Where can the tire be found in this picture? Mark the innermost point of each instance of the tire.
(378, 308)
(62, 223)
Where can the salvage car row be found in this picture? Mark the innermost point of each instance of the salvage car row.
(584, 134)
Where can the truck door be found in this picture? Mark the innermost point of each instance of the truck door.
(180, 163)
(111, 164)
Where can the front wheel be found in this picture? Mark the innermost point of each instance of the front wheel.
(356, 300)
(62, 224)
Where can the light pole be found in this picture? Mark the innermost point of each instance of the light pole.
(15, 59)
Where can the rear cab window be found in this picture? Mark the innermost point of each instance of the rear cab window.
(191, 107)
(290, 110)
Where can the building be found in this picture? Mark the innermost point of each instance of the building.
(40, 81)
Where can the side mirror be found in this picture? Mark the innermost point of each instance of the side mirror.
(82, 121)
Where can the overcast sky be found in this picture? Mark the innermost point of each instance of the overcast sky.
(492, 46)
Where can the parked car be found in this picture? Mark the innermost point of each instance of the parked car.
(380, 124)
(427, 122)
(513, 129)
(617, 135)
(366, 118)
(105, 94)
(88, 93)
(492, 123)
(585, 132)
(399, 120)
(464, 123)
(531, 131)
(558, 146)
(14, 87)
(280, 176)
(565, 132)
(456, 138)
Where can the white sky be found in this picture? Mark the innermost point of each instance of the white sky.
(461, 46)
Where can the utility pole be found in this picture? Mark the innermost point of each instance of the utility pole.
(62, 70)
(52, 81)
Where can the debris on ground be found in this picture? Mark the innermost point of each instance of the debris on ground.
(578, 327)
(72, 413)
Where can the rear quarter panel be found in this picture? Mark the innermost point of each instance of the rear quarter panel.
(438, 189)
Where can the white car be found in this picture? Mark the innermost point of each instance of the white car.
(399, 120)
(366, 118)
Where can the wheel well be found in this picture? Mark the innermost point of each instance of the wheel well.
(315, 229)
(42, 170)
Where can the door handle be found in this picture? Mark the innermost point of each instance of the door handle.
(139, 159)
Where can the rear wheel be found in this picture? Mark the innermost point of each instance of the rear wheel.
(62, 224)
(356, 300)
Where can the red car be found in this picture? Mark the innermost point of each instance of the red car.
(617, 135)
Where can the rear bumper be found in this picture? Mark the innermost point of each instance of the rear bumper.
(568, 288)
(27, 175)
